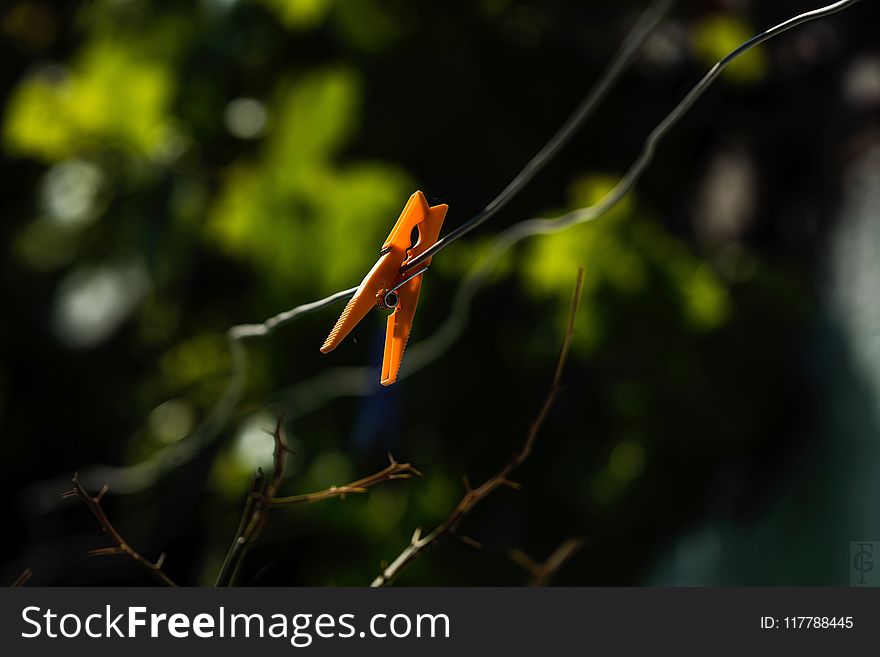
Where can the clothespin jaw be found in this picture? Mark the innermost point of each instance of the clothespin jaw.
(387, 287)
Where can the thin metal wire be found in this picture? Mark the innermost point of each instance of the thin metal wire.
(583, 111)
(265, 328)
(628, 50)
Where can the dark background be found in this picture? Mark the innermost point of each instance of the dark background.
(170, 169)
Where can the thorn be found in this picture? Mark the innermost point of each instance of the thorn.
(467, 540)
(511, 484)
(523, 560)
(417, 534)
(467, 483)
(391, 459)
(102, 492)
(160, 561)
(107, 551)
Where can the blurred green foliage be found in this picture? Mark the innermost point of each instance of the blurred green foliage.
(113, 95)
(296, 209)
(623, 251)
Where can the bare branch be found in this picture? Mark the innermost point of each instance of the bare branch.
(474, 496)
(253, 517)
(122, 546)
(262, 497)
(542, 573)
(394, 470)
(22, 579)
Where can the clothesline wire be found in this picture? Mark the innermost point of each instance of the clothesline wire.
(577, 119)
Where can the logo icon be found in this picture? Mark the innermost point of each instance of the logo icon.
(864, 569)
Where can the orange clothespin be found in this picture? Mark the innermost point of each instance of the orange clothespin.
(387, 287)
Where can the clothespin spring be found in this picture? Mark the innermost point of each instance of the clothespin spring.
(390, 299)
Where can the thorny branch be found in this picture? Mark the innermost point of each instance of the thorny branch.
(262, 496)
(22, 579)
(474, 496)
(542, 573)
(122, 546)
(259, 499)
(394, 470)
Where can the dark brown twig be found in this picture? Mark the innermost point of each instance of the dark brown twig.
(542, 573)
(474, 496)
(262, 496)
(122, 546)
(22, 579)
(253, 518)
(394, 470)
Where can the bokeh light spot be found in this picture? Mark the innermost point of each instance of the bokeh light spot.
(70, 190)
(92, 303)
(627, 460)
(245, 118)
(253, 443)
